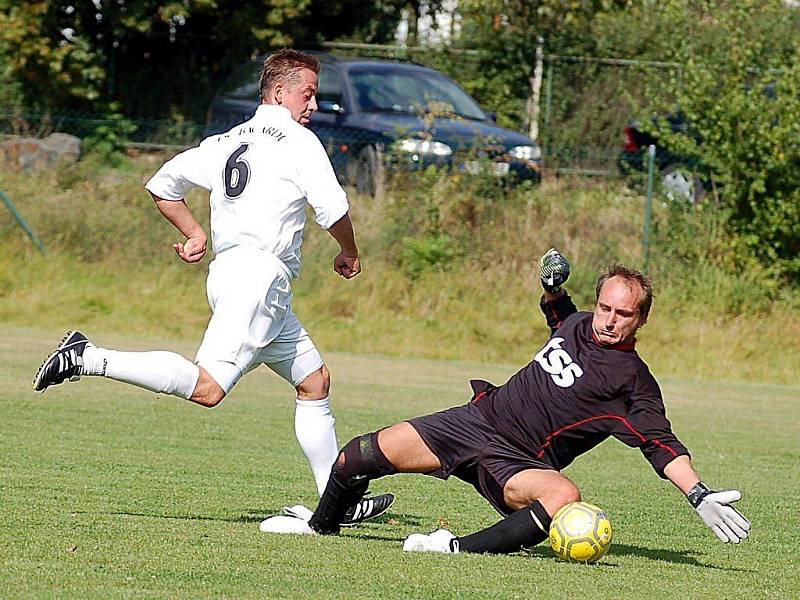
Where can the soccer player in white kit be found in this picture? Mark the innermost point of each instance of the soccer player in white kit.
(260, 175)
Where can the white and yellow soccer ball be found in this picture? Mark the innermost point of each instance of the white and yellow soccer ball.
(580, 532)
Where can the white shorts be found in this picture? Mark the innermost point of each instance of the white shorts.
(250, 295)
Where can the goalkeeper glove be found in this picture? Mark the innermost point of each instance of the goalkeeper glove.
(553, 270)
(727, 523)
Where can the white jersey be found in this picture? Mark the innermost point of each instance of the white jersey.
(260, 174)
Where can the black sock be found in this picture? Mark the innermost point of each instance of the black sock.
(335, 501)
(523, 528)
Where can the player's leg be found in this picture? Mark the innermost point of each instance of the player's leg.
(396, 449)
(314, 425)
(436, 445)
(249, 295)
(405, 449)
(314, 422)
(552, 489)
(534, 495)
(161, 372)
(458, 437)
(236, 290)
(293, 356)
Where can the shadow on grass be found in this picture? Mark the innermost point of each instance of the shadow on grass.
(257, 515)
(251, 516)
(683, 557)
(395, 519)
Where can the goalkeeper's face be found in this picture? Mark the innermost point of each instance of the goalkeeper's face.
(616, 314)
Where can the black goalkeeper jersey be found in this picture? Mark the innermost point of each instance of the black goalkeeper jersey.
(575, 393)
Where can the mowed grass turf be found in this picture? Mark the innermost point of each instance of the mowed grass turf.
(108, 491)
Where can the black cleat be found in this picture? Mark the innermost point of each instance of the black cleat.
(64, 363)
(368, 507)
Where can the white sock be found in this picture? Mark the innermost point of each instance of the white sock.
(313, 426)
(159, 371)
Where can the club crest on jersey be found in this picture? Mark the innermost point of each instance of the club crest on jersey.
(558, 363)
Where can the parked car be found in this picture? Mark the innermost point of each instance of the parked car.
(377, 112)
(682, 178)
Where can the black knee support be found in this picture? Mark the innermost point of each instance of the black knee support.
(362, 459)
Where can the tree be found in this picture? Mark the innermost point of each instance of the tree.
(44, 59)
(506, 32)
(161, 58)
(368, 22)
(739, 92)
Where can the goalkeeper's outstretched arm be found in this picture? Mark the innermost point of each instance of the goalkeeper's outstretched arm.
(714, 507)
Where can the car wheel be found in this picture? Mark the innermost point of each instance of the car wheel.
(369, 171)
(682, 184)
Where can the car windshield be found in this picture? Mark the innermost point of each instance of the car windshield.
(243, 84)
(411, 91)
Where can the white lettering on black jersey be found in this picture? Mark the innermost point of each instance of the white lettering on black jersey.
(558, 363)
(577, 392)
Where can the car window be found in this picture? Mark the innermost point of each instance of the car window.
(243, 84)
(411, 91)
(331, 85)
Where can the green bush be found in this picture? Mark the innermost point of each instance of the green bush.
(433, 251)
(738, 86)
(741, 101)
(109, 136)
(435, 214)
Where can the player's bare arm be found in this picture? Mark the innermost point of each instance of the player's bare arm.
(682, 474)
(177, 213)
(346, 263)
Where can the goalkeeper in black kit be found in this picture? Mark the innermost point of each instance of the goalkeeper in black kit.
(587, 383)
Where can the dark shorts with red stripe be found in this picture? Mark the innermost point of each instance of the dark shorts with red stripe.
(469, 448)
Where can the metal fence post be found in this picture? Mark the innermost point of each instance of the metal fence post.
(22, 223)
(648, 206)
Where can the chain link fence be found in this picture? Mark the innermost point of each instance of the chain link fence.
(144, 133)
(578, 111)
(587, 103)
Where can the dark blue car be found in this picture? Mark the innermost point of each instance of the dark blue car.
(374, 113)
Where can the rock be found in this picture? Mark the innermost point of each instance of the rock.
(67, 147)
(36, 154)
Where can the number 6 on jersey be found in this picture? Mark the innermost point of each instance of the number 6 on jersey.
(237, 173)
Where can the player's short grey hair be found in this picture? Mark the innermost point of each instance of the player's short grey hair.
(631, 276)
(285, 67)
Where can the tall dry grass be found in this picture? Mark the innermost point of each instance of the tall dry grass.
(449, 271)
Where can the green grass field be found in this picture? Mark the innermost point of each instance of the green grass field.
(108, 491)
